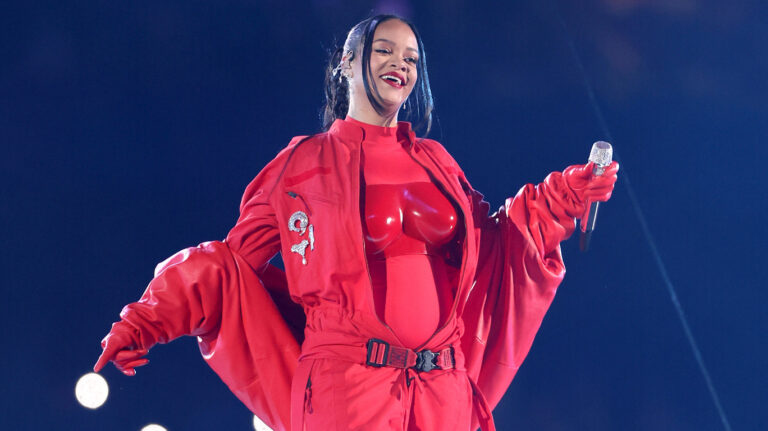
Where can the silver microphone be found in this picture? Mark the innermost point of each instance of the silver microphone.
(601, 155)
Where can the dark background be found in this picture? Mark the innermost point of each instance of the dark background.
(130, 129)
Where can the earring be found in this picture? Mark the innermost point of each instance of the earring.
(345, 73)
(405, 104)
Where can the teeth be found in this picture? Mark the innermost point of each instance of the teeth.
(393, 79)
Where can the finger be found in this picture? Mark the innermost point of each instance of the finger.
(599, 183)
(106, 355)
(587, 207)
(100, 363)
(598, 191)
(599, 187)
(601, 197)
(591, 193)
(132, 364)
(123, 359)
(594, 195)
(127, 371)
(585, 171)
(129, 354)
(609, 171)
(577, 172)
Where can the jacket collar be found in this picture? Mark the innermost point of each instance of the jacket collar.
(352, 132)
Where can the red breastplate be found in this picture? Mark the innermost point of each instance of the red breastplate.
(413, 218)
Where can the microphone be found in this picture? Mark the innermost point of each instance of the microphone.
(601, 155)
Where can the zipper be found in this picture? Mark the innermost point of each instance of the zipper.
(301, 198)
(308, 396)
(409, 393)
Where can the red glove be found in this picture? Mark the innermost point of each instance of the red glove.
(588, 187)
(121, 346)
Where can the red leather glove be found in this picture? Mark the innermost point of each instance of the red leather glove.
(121, 346)
(588, 187)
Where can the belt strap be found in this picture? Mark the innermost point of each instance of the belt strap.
(382, 354)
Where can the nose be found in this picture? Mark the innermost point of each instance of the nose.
(400, 64)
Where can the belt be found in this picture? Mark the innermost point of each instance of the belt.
(382, 354)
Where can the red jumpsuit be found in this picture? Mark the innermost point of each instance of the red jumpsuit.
(498, 278)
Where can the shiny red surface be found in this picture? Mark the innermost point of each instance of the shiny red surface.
(302, 363)
(414, 218)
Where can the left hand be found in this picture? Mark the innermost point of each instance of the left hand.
(588, 187)
(121, 347)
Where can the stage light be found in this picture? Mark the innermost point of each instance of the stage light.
(91, 390)
(258, 425)
(154, 427)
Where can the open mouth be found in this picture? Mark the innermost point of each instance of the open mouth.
(393, 79)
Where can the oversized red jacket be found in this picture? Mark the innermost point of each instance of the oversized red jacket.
(250, 332)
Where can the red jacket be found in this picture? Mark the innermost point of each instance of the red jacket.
(508, 271)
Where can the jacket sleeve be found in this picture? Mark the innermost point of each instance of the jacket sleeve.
(222, 292)
(519, 268)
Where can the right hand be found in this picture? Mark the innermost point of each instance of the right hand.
(588, 187)
(122, 348)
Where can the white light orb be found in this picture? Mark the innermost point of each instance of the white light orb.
(91, 390)
(154, 427)
(258, 425)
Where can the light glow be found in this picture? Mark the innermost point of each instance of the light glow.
(258, 425)
(91, 390)
(154, 427)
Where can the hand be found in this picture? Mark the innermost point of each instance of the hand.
(122, 348)
(588, 187)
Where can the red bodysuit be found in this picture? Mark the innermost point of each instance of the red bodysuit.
(408, 222)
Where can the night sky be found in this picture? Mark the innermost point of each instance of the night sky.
(129, 131)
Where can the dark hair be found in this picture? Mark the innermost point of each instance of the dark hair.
(418, 106)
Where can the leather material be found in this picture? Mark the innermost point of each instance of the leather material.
(227, 294)
(412, 218)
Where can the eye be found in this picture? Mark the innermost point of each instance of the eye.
(412, 60)
(383, 51)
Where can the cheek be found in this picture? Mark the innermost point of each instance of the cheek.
(413, 79)
(412, 85)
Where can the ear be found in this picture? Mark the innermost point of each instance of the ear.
(346, 64)
(346, 59)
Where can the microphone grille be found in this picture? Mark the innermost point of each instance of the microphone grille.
(601, 154)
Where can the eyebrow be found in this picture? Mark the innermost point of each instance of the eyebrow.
(393, 43)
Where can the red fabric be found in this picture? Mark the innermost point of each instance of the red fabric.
(226, 293)
(408, 220)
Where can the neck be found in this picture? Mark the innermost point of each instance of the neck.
(365, 113)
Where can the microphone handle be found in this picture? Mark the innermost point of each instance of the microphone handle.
(586, 235)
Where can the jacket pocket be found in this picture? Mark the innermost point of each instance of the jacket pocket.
(308, 396)
(320, 412)
(309, 199)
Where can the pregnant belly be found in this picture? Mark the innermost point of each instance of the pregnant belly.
(412, 295)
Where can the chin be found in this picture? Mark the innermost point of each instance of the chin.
(390, 106)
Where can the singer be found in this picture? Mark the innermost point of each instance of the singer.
(403, 304)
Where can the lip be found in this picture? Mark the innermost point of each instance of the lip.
(402, 84)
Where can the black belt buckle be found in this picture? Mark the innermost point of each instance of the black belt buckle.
(373, 348)
(425, 361)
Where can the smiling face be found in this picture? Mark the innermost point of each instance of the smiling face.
(393, 73)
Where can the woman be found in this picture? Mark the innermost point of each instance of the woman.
(416, 307)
